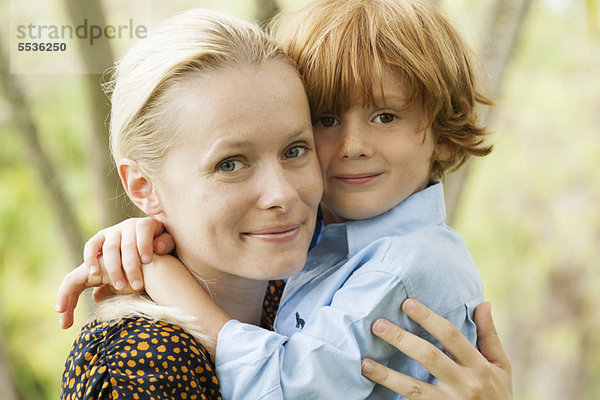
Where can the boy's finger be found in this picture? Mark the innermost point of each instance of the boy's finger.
(102, 292)
(487, 336)
(164, 244)
(419, 349)
(111, 254)
(404, 385)
(131, 258)
(68, 294)
(73, 283)
(146, 230)
(91, 250)
(453, 341)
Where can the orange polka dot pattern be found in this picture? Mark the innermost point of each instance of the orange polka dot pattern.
(138, 359)
(271, 303)
(142, 359)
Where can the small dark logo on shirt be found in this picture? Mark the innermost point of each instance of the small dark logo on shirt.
(299, 321)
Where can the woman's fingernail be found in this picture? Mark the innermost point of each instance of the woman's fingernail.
(380, 326)
(93, 269)
(367, 367)
(136, 285)
(119, 285)
(146, 259)
(409, 305)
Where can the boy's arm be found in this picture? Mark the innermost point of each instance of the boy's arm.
(321, 360)
(109, 255)
(169, 283)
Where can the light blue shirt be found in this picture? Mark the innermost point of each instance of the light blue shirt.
(359, 271)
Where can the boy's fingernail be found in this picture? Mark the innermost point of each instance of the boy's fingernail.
(119, 285)
(94, 269)
(380, 326)
(367, 367)
(409, 305)
(136, 285)
(146, 259)
(57, 308)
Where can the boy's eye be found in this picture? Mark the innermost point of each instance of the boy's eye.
(385, 118)
(295, 152)
(327, 122)
(230, 166)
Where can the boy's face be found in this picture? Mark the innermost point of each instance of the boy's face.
(372, 158)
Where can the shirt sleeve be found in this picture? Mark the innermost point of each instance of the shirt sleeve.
(323, 360)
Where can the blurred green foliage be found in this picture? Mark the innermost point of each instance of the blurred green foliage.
(529, 213)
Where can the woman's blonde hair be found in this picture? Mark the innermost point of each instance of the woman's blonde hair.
(146, 79)
(340, 46)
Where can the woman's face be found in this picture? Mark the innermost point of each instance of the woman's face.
(240, 192)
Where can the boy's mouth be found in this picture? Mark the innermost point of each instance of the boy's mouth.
(357, 179)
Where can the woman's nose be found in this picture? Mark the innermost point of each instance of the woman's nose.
(277, 190)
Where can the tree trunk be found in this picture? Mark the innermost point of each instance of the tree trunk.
(7, 387)
(50, 179)
(265, 10)
(505, 22)
(115, 204)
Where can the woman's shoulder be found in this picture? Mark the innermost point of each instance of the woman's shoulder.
(138, 356)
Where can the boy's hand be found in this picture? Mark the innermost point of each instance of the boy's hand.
(75, 283)
(124, 247)
(471, 375)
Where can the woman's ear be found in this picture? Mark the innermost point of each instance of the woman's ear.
(139, 187)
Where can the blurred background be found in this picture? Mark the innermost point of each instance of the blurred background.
(529, 212)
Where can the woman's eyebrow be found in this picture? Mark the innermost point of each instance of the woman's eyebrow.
(228, 144)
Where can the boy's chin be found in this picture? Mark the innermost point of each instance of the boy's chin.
(343, 213)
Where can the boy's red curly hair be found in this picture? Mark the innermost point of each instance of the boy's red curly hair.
(340, 46)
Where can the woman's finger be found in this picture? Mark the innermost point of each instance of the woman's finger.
(453, 341)
(487, 337)
(419, 349)
(404, 385)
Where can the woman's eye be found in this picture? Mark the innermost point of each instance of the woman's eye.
(230, 166)
(328, 122)
(294, 152)
(385, 118)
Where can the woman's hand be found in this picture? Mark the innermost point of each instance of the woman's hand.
(125, 247)
(471, 375)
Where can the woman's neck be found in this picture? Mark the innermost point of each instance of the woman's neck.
(240, 298)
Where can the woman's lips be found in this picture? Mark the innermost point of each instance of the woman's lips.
(357, 179)
(276, 234)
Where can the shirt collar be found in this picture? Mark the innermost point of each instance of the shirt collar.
(423, 208)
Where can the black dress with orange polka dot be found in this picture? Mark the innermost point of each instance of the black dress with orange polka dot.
(138, 358)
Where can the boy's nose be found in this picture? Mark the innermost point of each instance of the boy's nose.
(353, 145)
(277, 191)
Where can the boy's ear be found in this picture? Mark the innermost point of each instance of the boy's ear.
(442, 151)
(139, 187)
